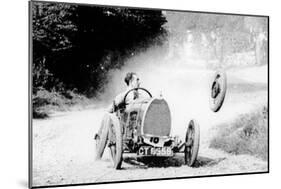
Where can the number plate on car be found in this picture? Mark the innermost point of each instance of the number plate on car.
(155, 151)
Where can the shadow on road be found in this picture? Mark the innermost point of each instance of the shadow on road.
(176, 161)
(207, 162)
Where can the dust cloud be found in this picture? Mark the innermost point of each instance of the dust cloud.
(176, 73)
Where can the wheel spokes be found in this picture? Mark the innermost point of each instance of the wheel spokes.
(189, 144)
(112, 142)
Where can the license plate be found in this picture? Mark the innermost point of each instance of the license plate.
(155, 151)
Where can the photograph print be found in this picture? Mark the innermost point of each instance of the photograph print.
(122, 94)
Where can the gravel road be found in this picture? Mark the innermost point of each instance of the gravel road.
(63, 145)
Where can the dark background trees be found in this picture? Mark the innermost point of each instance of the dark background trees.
(75, 46)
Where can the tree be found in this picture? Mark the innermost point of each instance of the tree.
(80, 44)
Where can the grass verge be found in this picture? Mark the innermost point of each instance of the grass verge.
(247, 134)
(44, 102)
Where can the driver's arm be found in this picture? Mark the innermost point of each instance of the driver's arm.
(117, 102)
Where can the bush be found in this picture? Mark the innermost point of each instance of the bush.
(44, 101)
(248, 134)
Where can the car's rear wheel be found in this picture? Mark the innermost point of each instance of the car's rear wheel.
(192, 140)
(102, 136)
(218, 90)
(115, 141)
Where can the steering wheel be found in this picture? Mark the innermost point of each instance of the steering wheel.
(135, 89)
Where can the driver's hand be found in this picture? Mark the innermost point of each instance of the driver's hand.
(122, 105)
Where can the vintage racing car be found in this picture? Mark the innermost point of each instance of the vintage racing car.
(143, 127)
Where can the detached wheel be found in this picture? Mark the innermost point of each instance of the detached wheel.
(115, 141)
(218, 91)
(192, 140)
(102, 136)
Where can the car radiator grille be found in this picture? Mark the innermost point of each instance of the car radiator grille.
(157, 118)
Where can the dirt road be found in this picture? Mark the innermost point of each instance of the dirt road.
(63, 145)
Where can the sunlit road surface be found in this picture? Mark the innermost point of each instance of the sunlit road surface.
(63, 145)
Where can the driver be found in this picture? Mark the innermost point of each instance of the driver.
(132, 81)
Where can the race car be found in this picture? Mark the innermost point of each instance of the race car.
(143, 128)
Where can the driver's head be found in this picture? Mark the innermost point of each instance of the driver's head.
(132, 80)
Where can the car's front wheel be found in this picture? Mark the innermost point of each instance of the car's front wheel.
(192, 140)
(115, 141)
(218, 90)
(102, 136)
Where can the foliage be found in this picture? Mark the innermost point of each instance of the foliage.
(75, 46)
(45, 102)
(218, 36)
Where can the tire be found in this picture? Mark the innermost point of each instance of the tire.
(192, 141)
(115, 141)
(102, 137)
(218, 91)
